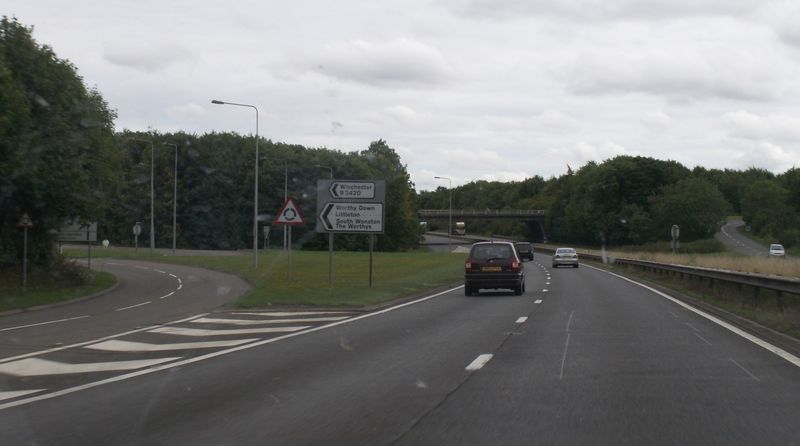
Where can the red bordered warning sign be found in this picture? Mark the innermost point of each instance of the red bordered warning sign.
(290, 214)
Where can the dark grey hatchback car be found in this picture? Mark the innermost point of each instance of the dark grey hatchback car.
(492, 265)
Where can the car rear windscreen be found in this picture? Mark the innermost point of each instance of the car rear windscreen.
(483, 252)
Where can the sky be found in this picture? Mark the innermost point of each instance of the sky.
(465, 89)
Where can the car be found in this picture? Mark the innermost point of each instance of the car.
(776, 250)
(493, 265)
(565, 256)
(524, 250)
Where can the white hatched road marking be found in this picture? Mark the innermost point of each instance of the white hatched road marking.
(479, 362)
(209, 320)
(41, 367)
(44, 323)
(115, 345)
(180, 331)
(288, 313)
(17, 393)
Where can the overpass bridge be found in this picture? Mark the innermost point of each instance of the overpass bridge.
(533, 218)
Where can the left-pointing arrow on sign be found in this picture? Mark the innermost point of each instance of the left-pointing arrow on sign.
(324, 216)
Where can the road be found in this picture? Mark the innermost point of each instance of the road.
(583, 357)
(730, 236)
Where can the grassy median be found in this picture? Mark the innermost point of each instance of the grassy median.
(44, 290)
(395, 275)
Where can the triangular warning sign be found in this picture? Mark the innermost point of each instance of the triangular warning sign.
(290, 214)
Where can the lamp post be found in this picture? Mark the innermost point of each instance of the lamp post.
(255, 188)
(174, 195)
(449, 213)
(330, 236)
(152, 195)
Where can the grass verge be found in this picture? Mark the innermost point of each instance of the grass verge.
(395, 275)
(44, 292)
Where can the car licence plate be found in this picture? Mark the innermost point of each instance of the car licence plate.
(491, 269)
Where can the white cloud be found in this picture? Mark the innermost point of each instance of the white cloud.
(744, 124)
(186, 111)
(147, 58)
(400, 62)
(768, 156)
(656, 119)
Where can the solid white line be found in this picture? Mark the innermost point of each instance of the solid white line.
(288, 313)
(744, 369)
(691, 326)
(180, 331)
(564, 358)
(569, 321)
(208, 320)
(81, 344)
(167, 295)
(116, 345)
(17, 393)
(522, 320)
(44, 323)
(44, 367)
(479, 362)
(132, 306)
(703, 339)
(537, 301)
(161, 367)
(758, 341)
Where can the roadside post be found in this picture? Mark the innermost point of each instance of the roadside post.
(137, 229)
(266, 237)
(25, 222)
(675, 232)
(352, 207)
(290, 215)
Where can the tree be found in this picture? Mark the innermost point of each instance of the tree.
(694, 204)
(56, 144)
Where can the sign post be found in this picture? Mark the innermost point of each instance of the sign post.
(25, 222)
(351, 207)
(266, 237)
(675, 232)
(137, 229)
(290, 215)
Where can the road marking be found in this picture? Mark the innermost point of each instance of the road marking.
(132, 306)
(758, 341)
(703, 339)
(113, 263)
(173, 275)
(17, 393)
(544, 290)
(44, 323)
(564, 358)
(744, 369)
(673, 314)
(479, 362)
(167, 295)
(537, 301)
(522, 320)
(569, 321)
(81, 344)
(180, 331)
(140, 267)
(159, 271)
(691, 326)
(179, 280)
(43, 367)
(208, 320)
(547, 283)
(180, 285)
(288, 313)
(207, 356)
(116, 345)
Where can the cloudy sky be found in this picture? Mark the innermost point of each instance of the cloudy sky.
(471, 89)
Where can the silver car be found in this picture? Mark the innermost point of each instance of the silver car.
(776, 250)
(565, 256)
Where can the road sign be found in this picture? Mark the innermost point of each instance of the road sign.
(360, 190)
(137, 229)
(352, 217)
(290, 214)
(675, 232)
(25, 221)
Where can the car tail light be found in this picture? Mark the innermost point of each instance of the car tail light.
(515, 266)
(468, 265)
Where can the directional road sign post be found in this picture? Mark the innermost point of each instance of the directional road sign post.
(290, 215)
(351, 207)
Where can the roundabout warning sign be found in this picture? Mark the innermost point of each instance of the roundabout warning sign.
(290, 214)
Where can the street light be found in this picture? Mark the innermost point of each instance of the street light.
(255, 189)
(174, 194)
(450, 214)
(152, 195)
(330, 235)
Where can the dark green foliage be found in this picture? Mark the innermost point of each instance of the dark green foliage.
(694, 204)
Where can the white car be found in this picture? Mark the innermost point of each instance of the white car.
(776, 250)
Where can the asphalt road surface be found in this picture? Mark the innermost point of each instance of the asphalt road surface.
(730, 236)
(583, 357)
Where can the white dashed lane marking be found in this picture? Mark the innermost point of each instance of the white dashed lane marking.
(479, 362)
(522, 320)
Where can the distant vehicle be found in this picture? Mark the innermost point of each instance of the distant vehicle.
(565, 256)
(461, 228)
(776, 250)
(524, 250)
(492, 265)
(423, 225)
